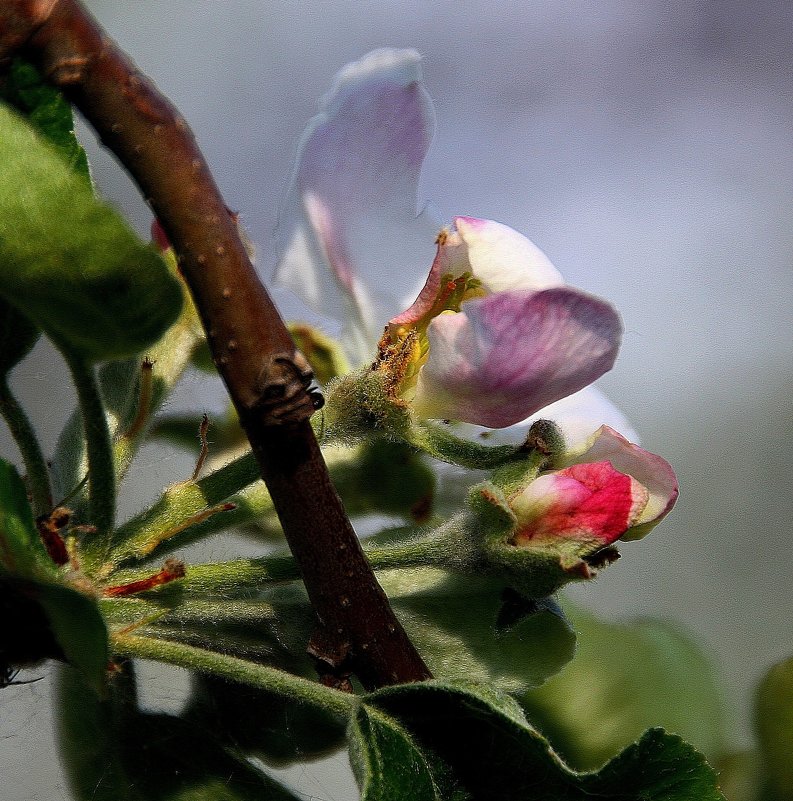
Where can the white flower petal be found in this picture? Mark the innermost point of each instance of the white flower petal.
(350, 240)
(502, 259)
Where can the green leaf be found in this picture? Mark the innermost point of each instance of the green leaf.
(387, 477)
(387, 764)
(73, 617)
(483, 748)
(623, 679)
(79, 629)
(22, 552)
(18, 335)
(47, 111)
(114, 752)
(262, 723)
(171, 759)
(69, 262)
(774, 725)
(473, 629)
(89, 744)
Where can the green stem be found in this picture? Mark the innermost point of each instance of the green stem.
(225, 579)
(177, 510)
(446, 546)
(101, 468)
(440, 443)
(25, 438)
(268, 678)
(188, 511)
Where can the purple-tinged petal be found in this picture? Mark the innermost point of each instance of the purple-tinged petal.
(650, 470)
(349, 238)
(502, 259)
(505, 356)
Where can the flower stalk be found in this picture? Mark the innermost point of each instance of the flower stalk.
(25, 437)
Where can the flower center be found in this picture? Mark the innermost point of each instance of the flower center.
(405, 348)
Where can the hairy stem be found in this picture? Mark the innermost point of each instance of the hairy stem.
(25, 437)
(101, 466)
(356, 628)
(277, 681)
(443, 547)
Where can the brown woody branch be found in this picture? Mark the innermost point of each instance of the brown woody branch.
(356, 628)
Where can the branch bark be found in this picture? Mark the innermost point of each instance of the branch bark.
(356, 628)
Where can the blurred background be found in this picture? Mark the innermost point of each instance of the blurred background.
(646, 148)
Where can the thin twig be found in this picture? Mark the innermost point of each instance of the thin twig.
(265, 376)
(202, 456)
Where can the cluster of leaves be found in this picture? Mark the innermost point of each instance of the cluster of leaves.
(73, 270)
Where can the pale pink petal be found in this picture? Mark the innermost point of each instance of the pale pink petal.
(498, 257)
(508, 355)
(349, 237)
(502, 259)
(592, 503)
(577, 416)
(653, 472)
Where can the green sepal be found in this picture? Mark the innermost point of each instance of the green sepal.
(70, 263)
(624, 678)
(483, 747)
(536, 569)
(387, 764)
(324, 354)
(361, 405)
(773, 720)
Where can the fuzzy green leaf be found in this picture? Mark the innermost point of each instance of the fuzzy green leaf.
(387, 764)
(90, 750)
(74, 618)
(623, 679)
(69, 262)
(472, 629)
(483, 748)
(774, 726)
(79, 629)
(47, 111)
(263, 723)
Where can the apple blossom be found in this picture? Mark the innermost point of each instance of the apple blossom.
(494, 335)
(559, 526)
(650, 471)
